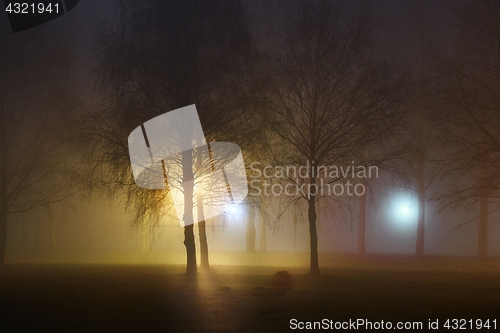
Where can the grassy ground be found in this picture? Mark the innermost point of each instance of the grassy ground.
(122, 294)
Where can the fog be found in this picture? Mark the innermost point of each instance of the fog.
(96, 227)
(250, 166)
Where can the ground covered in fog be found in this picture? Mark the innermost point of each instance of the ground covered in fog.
(241, 294)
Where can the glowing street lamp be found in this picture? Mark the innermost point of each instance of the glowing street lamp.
(402, 212)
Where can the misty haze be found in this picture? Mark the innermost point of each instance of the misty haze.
(249, 166)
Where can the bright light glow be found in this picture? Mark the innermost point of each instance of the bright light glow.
(403, 212)
(405, 209)
(234, 210)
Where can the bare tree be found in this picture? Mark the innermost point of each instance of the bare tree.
(162, 55)
(470, 98)
(328, 98)
(420, 163)
(36, 109)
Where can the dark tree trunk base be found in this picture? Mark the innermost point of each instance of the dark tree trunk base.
(314, 268)
(419, 249)
(191, 268)
(362, 225)
(204, 263)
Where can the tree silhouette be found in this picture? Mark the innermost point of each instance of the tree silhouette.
(37, 105)
(470, 99)
(420, 163)
(327, 97)
(158, 56)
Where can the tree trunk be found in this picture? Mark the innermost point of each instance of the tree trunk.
(191, 268)
(202, 231)
(295, 221)
(419, 251)
(314, 267)
(421, 126)
(52, 232)
(3, 237)
(250, 229)
(482, 241)
(204, 263)
(362, 224)
(263, 234)
(420, 178)
(188, 187)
